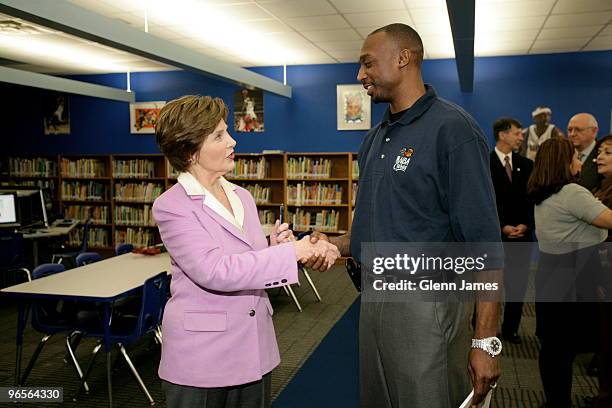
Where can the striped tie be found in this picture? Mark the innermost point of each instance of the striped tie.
(508, 167)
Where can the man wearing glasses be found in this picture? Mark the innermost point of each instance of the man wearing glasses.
(582, 131)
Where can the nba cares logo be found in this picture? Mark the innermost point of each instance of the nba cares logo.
(402, 160)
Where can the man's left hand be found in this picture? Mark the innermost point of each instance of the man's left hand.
(484, 370)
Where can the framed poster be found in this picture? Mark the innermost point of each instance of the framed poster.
(353, 107)
(57, 114)
(144, 115)
(248, 110)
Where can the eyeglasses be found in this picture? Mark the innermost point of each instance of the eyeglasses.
(579, 129)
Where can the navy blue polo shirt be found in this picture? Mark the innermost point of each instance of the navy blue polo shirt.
(425, 178)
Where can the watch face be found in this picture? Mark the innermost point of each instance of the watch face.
(494, 346)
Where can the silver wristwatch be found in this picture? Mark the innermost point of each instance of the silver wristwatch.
(491, 345)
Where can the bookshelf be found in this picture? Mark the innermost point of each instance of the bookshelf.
(117, 191)
(137, 181)
(264, 176)
(85, 192)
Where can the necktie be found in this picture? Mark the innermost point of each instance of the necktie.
(508, 167)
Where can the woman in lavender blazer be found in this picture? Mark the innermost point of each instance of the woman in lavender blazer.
(219, 344)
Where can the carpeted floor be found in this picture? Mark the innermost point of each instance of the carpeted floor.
(317, 369)
(298, 336)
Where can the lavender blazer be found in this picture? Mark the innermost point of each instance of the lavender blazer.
(217, 327)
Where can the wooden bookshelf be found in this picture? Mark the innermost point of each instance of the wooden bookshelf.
(118, 190)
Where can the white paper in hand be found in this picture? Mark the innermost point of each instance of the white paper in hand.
(485, 404)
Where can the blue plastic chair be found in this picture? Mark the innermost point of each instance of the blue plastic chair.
(126, 330)
(49, 320)
(86, 258)
(123, 249)
(61, 256)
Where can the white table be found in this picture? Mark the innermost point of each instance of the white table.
(104, 282)
(55, 230)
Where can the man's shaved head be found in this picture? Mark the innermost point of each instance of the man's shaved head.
(405, 37)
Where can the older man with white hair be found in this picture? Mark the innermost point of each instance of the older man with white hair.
(582, 131)
(539, 132)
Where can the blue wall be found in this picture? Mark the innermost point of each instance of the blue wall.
(512, 86)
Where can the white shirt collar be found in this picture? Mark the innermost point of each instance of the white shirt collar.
(587, 151)
(193, 188)
(502, 156)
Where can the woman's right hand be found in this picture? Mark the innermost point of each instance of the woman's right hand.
(304, 250)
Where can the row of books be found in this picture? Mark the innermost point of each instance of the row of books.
(250, 168)
(98, 213)
(322, 221)
(97, 237)
(323, 194)
(138, 237)
(125, 215)
(83, 168)
(37, 167)
(267, 217)
(354, 197)
(138, 192)
(305, 167)
(133, 168)
(260, 194)
(89, 190)
(172, 173)
(48, 184)
(355, 169)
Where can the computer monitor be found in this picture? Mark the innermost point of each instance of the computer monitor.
(30, 206)
(8, 210)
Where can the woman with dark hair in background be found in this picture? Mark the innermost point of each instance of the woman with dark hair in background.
(570, 225)
(604, 193)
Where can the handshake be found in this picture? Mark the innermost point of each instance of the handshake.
(314, 251)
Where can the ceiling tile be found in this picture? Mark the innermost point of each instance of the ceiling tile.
(600, 43)
(580, 6)
(135, 20)
(430, 15)
(243, 11)
(378, 19)
(577, 20)
(317, 23)
(568, 44)
(346, 55)
(503, 24)
(569, 32)
(341, 45)
(506, 36)
(501, 52)
(345, 34)
(365, 31)
(496, 10)
(440, 54)
(424, 3)
(352, 6)
(268, 26)
(607, 30)
(426, 30)
(299, 8)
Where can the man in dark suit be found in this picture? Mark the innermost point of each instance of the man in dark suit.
(509, 173)
(582, 131)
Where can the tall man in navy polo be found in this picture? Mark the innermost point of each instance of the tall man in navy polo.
(424, 177)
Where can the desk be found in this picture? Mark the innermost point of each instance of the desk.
(104, 282)
(53, 231)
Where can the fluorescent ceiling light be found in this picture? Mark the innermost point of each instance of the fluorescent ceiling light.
(215, 27)
(54, 50)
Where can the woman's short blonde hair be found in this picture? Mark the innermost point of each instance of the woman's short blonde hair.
(184, 124)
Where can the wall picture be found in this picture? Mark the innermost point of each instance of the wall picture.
(57, 114)
(353, 107)
(248, 110)
(144, 115)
